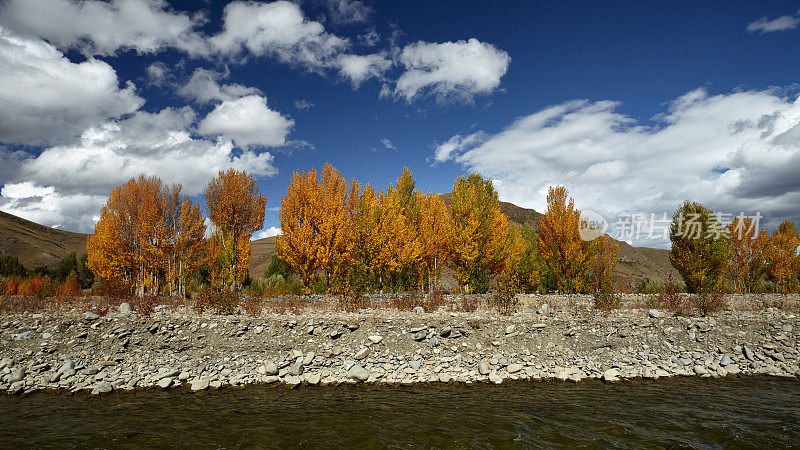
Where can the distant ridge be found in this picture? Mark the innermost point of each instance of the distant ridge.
(37, 245)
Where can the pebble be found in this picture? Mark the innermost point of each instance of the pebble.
(361, 354)
(654, 313)
(484, 368)
(199, 384)
(375, 339)
(164, 383)
(358, 373)
(89, 316)
(102, 388)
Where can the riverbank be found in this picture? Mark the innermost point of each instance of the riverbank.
(553, 337)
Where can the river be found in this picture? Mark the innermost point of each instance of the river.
(689, 412)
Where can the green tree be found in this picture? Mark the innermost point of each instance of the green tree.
(700, 248)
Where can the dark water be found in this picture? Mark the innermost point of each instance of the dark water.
(746, 412)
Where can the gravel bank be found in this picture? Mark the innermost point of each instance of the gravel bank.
(80, 351)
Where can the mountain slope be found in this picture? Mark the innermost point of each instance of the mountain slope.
(37, 245)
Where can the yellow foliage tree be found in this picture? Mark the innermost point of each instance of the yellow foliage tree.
(480, 232)
(523, 259)
(237, 211)
(400, 249)
(315, 224)
(435, 231)
(748, 255)
(784, 263)
(604, 258)
(566, 256)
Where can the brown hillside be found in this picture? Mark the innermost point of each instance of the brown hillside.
(37, 245)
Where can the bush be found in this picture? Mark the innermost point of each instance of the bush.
(707, 303)
(145, 305)
(605, 301)
(505, 299)
(221, 301)
(670, 298)
(11, 267)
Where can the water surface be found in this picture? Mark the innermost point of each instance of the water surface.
(743, 412)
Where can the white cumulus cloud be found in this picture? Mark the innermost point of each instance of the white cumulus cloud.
(103, 28)
(204, 87)
(451, 70)
(267, 232)
(735, 152)
(45, 97)
(247, 121)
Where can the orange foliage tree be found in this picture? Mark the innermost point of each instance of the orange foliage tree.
(237, 211)
(135, 243)
(784, 263)
(748, 255)
(480, 232)
(604, 257)
(566, 256)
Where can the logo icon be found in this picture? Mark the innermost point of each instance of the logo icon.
(591, 225)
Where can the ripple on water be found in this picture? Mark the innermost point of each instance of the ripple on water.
(756, 412)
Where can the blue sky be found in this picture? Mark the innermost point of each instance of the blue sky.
(635, 106)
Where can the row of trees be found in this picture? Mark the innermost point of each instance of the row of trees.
(713, 257)
(152, 239)
(348, 235)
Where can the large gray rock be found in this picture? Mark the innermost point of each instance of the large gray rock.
(510, 329)
(67, 366)
(199, 384)
(17, 374)
(612, 375)
(296, 369)
(543, 310)
(165, 383)
(361, 354)
(308, 358)
(514, 368)
(654, 313)
(270, 369)
(358, 373)
(725, 360)
(125, 308)
(102, 388)
(748, 353)
(88, 315)
(484, 368)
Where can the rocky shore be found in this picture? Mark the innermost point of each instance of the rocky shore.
(81, 351)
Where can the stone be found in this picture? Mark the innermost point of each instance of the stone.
(165, 383)
(418, 310)
(296, 369)
(358, 373)
(433, 342)
(375, 339)
(700, 370)
(445, 332)
(46, 335)
(17, 374)
(514, 368)
(25, 336)
(292, 380)
(311, 378)
(89, 316)
(270, 368)
(308, 358)
(484, 368)
(199, 384)
(725, 360)
(416, 364)
(612, 375)
(495, 378)
(183, 376)
(419, 336)
(102, 388)
(363, 353)
(125, 308)
(654, 313)
(444, 378)
(543, 310)
(510, 329)
(748, 353)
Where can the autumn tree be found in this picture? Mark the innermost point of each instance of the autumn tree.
(480, 232)
(237, 211)
(134, 242)
(604, 258)
(185, 233)
(748, 254)
(523, 259)
(784, 263)
(566, 256)
(400, 249)
(315, 224)
(700, 248)
(435, 231)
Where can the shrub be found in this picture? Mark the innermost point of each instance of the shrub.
(113, 289)
(466, 304)
(709, 302)
(70, 288)
(252, 305)
(221, 301)
(505, 299)
(145, 305)
(606, 301)
(670, 298)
